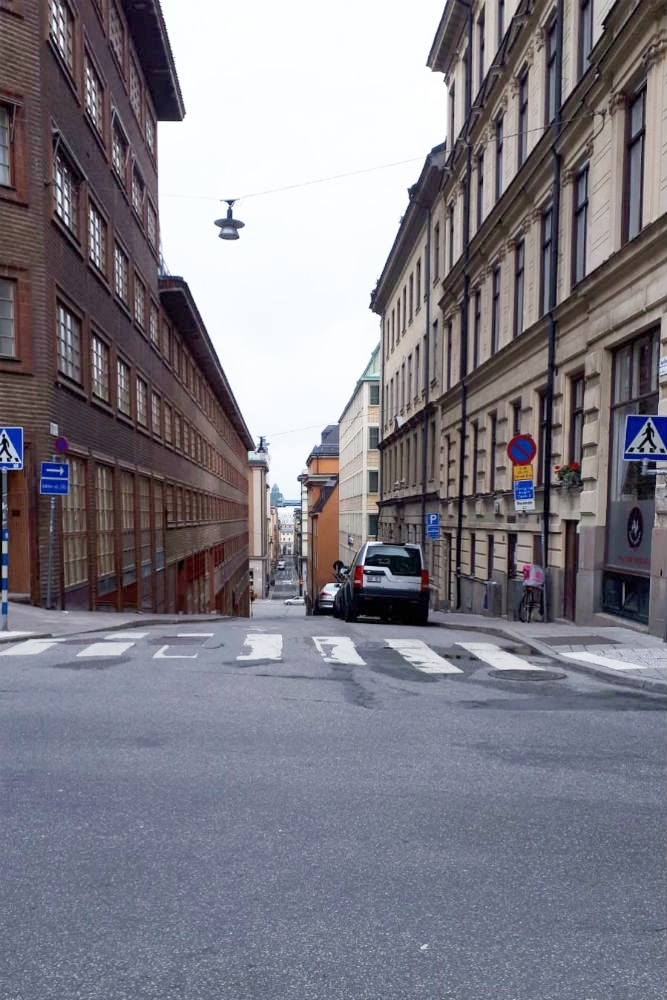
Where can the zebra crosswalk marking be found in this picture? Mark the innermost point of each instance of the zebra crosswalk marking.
(605, 661)
(105, 649)
(496, 657)
(30, 647)
(422, 656)
(125, 635)
(263, 646)
(338, 649)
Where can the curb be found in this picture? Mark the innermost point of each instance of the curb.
(647, 684)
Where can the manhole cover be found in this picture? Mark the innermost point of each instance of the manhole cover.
(527, 675)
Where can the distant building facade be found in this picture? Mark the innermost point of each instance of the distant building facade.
(99, 350)
(539, 244)
(359, 463)
(319, 484)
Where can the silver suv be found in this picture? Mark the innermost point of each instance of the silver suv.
(386, 580)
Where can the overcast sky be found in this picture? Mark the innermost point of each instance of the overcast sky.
(279, 96)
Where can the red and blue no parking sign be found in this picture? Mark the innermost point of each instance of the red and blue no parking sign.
(521, 449)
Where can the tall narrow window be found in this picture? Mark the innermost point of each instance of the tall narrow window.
(519, 269)
(500, 122)
(495, 310)
(474, 457)
(66, 194)
(585, 35)
(97, 239)
(5, 146)
(94, 95)
(522, 136)
(450, 216)
(579, 224)
(405, 307)
(480, 47)
(576, 418)
(452, 114)
(417, 371)
(418, 290)
(436, 347)
(61, 26)
(436, 251)
(480, 188)
(121, 274)
(74, 527)
(100, 365)
(142, 402)
(477, 328)
(409, 388)
(7, 319)
(104, 541)
(551, 69)
(516, 416)
(634, 164)
(501, 21)
(123, 387)
(493, 443)
(135, 90)
(542, 396)
(119, 152)
(450, 339)
(373, 438)
(545, 269)
(116, 33)
(411, 298)
(68, 336)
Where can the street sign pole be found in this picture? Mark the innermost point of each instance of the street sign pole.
(52, 531)
(4, 534)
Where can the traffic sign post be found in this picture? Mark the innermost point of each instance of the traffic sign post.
(521, 450)
(11, 460)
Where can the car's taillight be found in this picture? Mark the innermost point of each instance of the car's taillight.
(358, 576)
(424, 579)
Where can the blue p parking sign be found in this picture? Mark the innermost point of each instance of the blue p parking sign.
(432, 525)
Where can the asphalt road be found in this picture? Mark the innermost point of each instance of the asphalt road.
(182, 824)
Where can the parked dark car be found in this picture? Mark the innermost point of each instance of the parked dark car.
(386, 580)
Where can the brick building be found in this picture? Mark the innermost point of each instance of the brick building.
(96, 346)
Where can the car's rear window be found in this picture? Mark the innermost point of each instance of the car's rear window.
(401, 562)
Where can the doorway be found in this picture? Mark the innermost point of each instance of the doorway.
(571, 570)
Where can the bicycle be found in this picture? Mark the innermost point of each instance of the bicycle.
(531, 599)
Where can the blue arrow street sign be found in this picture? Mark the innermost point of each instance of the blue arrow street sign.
(54, 479)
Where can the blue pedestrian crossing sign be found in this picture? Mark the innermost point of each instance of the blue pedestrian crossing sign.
(645, 437)
(11, 448)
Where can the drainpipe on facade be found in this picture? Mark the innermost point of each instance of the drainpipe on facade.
(427, 374)
(464, 310)
(553, 301)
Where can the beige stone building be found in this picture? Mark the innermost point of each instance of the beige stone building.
(260, 521)
(359, 462)
(526, 296)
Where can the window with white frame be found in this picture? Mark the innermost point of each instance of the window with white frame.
(634, 164)
(5, 146)
(138, 190)
(585, 39)
(68, 337)
(150, 131)
(522, 131)
(100, 368)
(97, 239)
(94, 95)
(61, 27)
(156, 413)
(142, 402)
(104, 542)
(121, 274)
(579, 224)
(74, 525)
(119, 152)
(153, 323)
(139, 302)
(7, 318)
(116, 33)
(66, 193)
(123, 374)
(151, 223)
(135, 89)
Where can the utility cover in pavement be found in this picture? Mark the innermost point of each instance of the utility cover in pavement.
(526, 675)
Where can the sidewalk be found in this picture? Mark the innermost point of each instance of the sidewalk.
(618, 654)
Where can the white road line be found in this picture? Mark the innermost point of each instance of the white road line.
(496, 657)
(422, 656)
(161, 655)
(105, 649)
(30, 647)
(125, 635)
(605, 661)
(197, 635)
(338, 649)
(263, 646)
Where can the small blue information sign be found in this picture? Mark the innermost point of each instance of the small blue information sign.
(54, 479)
(432, 525)
(524, 489)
